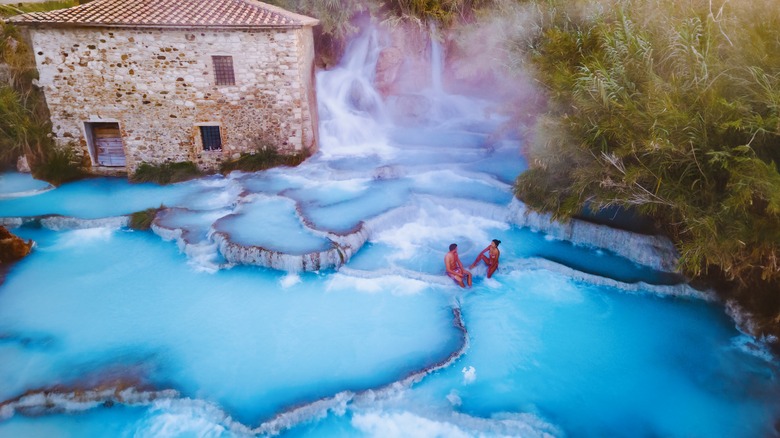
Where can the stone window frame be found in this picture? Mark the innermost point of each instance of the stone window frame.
(224, 75)
(200, 141)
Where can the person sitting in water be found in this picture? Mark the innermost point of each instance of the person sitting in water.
(455, 268)
(491, 260)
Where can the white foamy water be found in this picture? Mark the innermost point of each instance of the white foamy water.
(329, 315)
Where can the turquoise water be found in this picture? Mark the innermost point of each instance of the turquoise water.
(97, 198)
(14, 184)
(109, 332)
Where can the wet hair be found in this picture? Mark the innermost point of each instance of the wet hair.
(496, 241)
(453, 246)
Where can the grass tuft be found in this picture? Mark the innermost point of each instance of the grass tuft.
(142, 220)
(60, 166)
(264, 158)
(166, 173)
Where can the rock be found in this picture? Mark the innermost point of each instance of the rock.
(22, 165)
(12, 247)
(386, 172)
(387, 67)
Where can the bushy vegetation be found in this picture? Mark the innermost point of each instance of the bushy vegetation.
(263, 158)
(338, 17)
(24, 125)
(22, 8)
(142, 220)
(24, 120)
(59, 166)
(166, 173)
(671, 109)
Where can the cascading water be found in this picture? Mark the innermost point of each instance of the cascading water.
(437, 61)
(110, 332)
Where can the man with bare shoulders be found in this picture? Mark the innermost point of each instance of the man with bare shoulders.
(491, 260)
(455, 269)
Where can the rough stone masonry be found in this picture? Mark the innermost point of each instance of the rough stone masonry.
(159, 86)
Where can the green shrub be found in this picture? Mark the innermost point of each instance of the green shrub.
(166, 173)
(59, 166)
(21, 8)
(666, 109)
(264, 158)
(24, 118)
(675, 116)
(142, 220)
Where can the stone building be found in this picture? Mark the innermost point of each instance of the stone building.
(133, 81)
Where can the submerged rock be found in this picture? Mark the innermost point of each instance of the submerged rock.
(12, 247)
(387, 68)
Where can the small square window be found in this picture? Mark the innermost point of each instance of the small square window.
(223, 70)
(212, 140)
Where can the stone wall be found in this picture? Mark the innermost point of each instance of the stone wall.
(159, 86)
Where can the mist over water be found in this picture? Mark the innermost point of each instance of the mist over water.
(564, 340)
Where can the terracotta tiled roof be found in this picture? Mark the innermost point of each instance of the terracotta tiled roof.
(170, 13)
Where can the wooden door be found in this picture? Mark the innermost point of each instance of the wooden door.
(108, 144)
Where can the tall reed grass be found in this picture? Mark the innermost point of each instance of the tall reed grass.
(671, 109)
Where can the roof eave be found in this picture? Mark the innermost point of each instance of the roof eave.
(304, 19)
(51, 24)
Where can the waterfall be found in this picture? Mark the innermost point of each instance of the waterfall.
(352, 114)
(437, 61)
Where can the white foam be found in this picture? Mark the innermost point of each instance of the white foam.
(187, 417)
(469, 375)
(11, 222)
(451, 176)
(319, 409)
(492, 283)
(352, 185)
(430, 279)
(179, 424)
(203, 256)
(81, 237)
(404, 425)
(290, 280)
(454, 398)
(435, 223)
(394, 284)
(407, 424)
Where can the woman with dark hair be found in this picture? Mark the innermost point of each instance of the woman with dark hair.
(492, 258)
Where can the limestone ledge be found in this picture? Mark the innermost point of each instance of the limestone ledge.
(343, 248)
(656, 252)
(53, 400)
(60, 223)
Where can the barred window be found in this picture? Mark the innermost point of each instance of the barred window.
(212, 141)
(223, 70)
